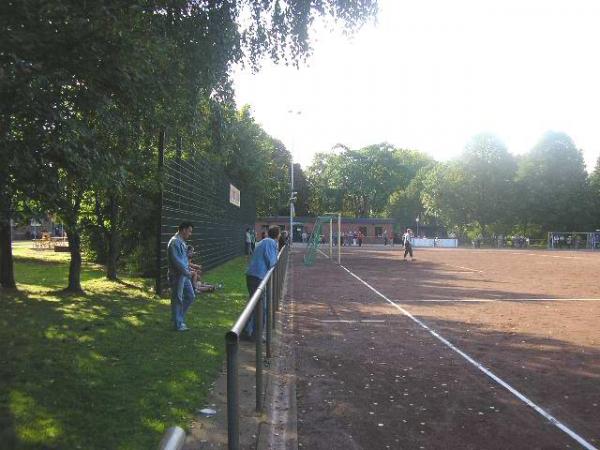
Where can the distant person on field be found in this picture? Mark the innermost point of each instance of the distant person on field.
(180, 277)
(283, 238)
(406, 237)
(263, 258)
(385, 238)
(304, 237)
(248, 241)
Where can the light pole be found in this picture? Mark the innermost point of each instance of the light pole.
(417, 219)
(292, 198)
(292, 193)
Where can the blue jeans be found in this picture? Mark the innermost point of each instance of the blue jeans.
(252, 284)
(182, 296)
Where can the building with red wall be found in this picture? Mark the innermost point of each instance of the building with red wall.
(372, 228)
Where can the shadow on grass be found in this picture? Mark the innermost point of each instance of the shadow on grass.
(104, 369)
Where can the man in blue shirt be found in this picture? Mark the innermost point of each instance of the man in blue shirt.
(180, 278)
(263, 258)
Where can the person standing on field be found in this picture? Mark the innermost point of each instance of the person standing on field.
(406, 237)
(180, 277)
(263, 258)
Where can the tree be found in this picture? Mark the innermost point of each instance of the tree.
(489, 170)
(71, 70)
(595, 195)
(444, 188)
(302, 188)
(356, 182)
(475, 191)
(553, 185)
(406, 204)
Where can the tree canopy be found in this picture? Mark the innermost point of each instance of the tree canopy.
(485, 191)
(88, 88)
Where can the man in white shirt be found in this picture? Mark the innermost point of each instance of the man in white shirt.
(406, 237)
(248, 241)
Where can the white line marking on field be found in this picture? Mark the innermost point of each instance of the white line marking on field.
(487, 372)
(462, 272)
(464, 268)
(324, 254)
(337, 321)
(447, 300)
(484, 300)
(546, 256)
(351, 321)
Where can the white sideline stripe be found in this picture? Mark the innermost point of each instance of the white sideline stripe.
(351, 321)
(488, 300)
(321, 252)
(465, 268)
(498, 380)
(546, 256)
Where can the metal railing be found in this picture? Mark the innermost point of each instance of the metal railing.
(272, 287)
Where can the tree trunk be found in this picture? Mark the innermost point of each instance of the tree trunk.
(75, 265)
(113, 240)
(7, 276)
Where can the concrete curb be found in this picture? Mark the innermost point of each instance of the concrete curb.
(279, 431)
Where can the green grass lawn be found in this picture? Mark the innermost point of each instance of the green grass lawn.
(104, 370)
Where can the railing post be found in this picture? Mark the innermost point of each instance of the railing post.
(269, 314)
(158, 287)
(278, 287)
(258, 317)
(268, 296)
(233, 432)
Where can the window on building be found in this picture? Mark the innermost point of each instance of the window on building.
(379, 231)
(363, 230)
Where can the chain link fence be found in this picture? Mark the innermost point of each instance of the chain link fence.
(195, 190)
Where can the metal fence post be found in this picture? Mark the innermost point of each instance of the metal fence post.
(258, 317)
(233, 432)
(161, 162)
(268, 293)
(269, 314)
(277, 286)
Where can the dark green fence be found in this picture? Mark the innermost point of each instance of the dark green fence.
(197, 191)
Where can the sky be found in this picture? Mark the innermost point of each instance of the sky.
(430, 74)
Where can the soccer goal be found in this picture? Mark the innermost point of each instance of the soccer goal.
(574, 240)
(323, 234)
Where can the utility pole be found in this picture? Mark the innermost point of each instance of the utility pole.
(292, 198)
